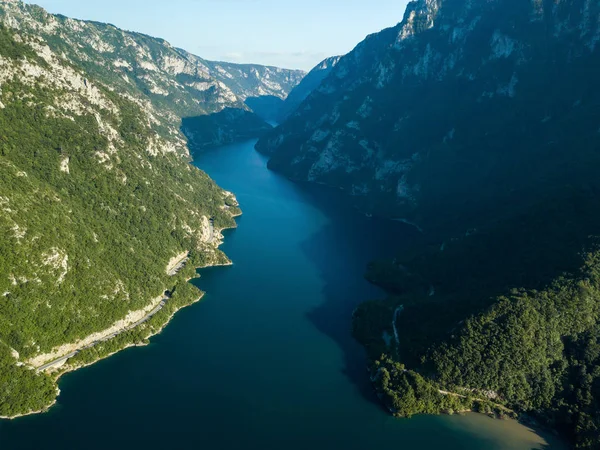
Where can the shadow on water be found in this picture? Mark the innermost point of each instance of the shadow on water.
(356, 240)
(227, 125)
(338, 248)
(266, 107)
(336, 242)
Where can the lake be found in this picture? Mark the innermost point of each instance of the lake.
(266, 360)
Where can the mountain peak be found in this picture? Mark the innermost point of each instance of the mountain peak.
(420, 15)
(327, 63)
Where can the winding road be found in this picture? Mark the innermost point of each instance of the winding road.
(147, 317)
(179, 265)
(211, 238)
(177, 268)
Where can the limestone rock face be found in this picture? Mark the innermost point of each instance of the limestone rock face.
(308, 84)
(169, 83)
(462, 102)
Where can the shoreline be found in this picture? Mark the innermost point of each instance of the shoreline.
(40, 362)
(69, 369)
(41, 411)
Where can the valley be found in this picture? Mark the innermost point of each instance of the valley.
(266, 357)
(419, 238)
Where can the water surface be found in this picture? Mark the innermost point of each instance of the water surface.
(266, 360)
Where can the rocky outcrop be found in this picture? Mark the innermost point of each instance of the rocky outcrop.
(250, 80)
(308, 84)
(169, 82)
(461, 106)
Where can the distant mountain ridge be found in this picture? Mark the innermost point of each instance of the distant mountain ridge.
(277, 108)
(175, 81)
(251, 80)
(308, 84)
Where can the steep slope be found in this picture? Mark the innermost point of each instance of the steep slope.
(308, 84)
(98, 201)
(446, 112)
(275, 108)
(478, 121)
(262, 89)
(252, 80)
(176, 82)
(229, 125)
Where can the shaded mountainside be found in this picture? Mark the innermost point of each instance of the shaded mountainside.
(308, 84)
(277, 109)
(450, 111)
(229, 125)
(477, 121)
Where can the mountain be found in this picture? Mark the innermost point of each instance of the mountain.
(251, 80)
(448, 106)
(476, 122)
(262, 89)
(103, 219)
(178, 83)
(274, 108)
(223, 128)
(308, 84)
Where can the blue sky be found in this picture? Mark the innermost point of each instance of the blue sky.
(285, 33)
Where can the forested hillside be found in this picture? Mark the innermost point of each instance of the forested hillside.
(97, 196)
(499, 337)
(150, 70)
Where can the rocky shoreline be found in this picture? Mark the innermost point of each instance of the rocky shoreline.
(66, 368)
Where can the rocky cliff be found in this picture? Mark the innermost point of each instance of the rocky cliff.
(462, 105)
(308, 84)
(172, 81)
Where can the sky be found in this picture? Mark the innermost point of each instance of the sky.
(295, 34)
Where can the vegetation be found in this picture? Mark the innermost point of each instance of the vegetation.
(89, 219)
(465, 328)
(477, 121)
(22, 389)
(225, 127)
(406, 393)
(9, 48)
(183, 294)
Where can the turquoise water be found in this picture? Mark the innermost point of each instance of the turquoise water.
(266, 359)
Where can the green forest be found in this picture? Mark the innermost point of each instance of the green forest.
(508, 314)
(82, 248)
